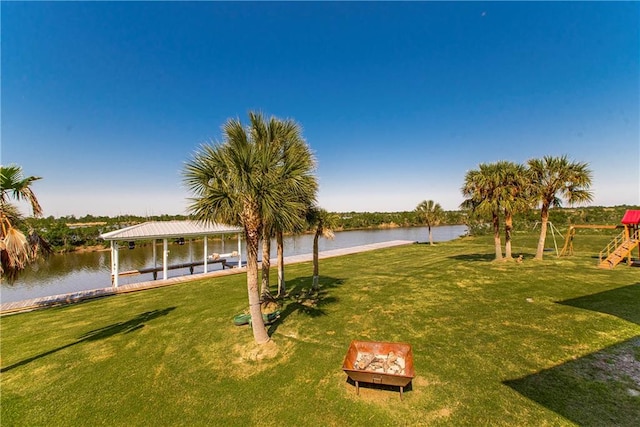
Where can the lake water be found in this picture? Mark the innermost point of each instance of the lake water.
(73, 272)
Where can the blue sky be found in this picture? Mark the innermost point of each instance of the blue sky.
(106, 101)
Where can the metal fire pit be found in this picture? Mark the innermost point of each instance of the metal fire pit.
(381, 349)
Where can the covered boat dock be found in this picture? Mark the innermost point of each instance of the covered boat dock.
(166, 230)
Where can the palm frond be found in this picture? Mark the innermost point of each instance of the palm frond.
(13, 183)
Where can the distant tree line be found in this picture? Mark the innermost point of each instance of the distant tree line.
(68, 233)
(364, 220)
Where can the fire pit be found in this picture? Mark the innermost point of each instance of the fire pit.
(379, 363)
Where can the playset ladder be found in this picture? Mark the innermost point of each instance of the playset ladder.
(610, 257)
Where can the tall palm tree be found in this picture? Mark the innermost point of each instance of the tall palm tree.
(514, 196)
(16, 249)
(296, 161)
(554, 179)
(324, 223)
(242, 181)
(431, 213)
(482, 191)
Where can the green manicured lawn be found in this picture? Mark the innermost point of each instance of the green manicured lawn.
(537, 343)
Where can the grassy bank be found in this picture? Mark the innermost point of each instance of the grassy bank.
(537, 343)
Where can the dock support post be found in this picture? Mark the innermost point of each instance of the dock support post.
(114, 263)
(165, 256)
(206, 251)
(155, 264)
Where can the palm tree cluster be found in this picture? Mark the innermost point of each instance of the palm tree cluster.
(260, 177)
(503, 188)
(16, 248)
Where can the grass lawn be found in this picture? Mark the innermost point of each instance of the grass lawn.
(555, 342)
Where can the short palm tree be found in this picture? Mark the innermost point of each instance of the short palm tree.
(554, 179)
(16, 249)
(323, 223)
(267, 234)
(243, 181)
(514, 197)
(481, 190)
(431, 213)
(282, 287)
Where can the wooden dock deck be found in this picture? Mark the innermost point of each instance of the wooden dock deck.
(189, 265)
(73, 297)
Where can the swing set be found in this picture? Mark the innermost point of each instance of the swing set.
(567, 249)
(621, 246)
(554, 230)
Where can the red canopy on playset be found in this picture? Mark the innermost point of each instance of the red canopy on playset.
(631, 217)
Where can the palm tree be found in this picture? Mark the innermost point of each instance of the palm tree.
(514, 196)
(298, 228)
(282, 287)
(295, 163)
(323, 222)
(431, 212)
(267, 233)
(553, 179)
(16, 249)
(482, 191)
(14, 185)
(242, 181)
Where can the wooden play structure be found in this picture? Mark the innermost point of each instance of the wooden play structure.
(567, 249)
(624, 243)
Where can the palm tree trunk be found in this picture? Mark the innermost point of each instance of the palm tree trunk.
(544, 216)
(508, 226)
(430, 236)
(282, 288)
(315, 284)
(259, 332)
(496, 236)
(266, 264)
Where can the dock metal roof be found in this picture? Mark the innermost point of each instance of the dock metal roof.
(169, 229)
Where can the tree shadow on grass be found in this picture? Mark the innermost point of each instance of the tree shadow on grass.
(474, 257)
(598, 389)
(488, 257)
(301, 298)
(620, 302)
(129, 326)
(601, 388)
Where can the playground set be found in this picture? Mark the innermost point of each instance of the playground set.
(619, 248)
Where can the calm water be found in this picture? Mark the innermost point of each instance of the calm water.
(72, 272)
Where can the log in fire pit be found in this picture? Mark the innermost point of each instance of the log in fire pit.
(379, 363)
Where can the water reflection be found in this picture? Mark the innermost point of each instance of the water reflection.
(91, 270)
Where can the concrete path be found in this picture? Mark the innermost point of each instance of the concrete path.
(41, 302)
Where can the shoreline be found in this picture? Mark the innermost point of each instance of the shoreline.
(16, 307)
(383, 226)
